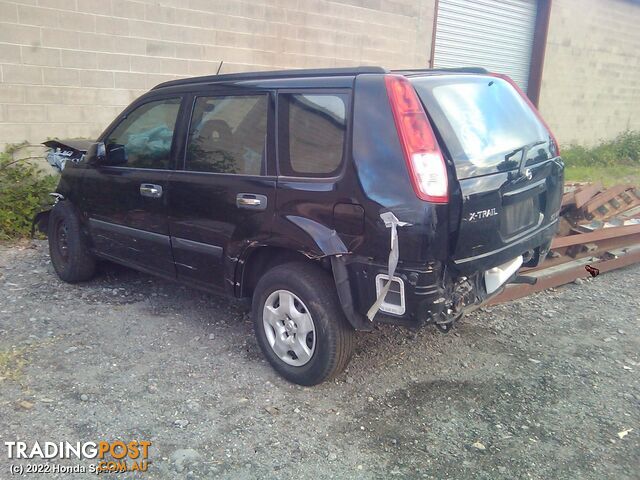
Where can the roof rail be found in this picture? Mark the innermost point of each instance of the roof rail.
(443, 70)
(274, 74)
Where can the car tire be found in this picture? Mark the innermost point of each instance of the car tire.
(311, 293)
(68, 249)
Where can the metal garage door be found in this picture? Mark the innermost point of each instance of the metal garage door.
(495, 34)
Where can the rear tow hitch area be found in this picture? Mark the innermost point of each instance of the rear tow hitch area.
(445, 327)
(461, 297)
(465, 295)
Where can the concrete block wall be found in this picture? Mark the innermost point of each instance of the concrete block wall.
(591, 79)
(67, 67)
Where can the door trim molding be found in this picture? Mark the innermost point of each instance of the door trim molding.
(129, 231)
(198, 247)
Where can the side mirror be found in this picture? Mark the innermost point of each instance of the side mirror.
(115, 154)
(96, 154)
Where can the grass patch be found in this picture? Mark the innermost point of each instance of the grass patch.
(12, 363)
(608, 176)
(611, 162)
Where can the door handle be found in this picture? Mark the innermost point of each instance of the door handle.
(251, 201)
(150, 190)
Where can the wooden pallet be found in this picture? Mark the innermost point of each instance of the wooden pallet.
(592, 202)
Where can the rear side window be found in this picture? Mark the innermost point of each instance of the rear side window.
(312, 129)
(228, 135)
(143, 139)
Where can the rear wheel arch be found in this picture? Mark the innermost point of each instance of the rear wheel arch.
(260, 260)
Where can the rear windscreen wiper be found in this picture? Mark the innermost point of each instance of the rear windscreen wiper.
(525, 152)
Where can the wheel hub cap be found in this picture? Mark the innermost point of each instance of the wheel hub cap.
(289, 328)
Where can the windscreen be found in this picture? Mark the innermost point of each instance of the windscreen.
(484, 122)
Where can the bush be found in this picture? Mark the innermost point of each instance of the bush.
(24, 190)
(622, 150)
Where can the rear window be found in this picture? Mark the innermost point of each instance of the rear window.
(482, 121)
(312, 128)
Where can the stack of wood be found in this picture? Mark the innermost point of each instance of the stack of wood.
(599, 231)
(591, 204)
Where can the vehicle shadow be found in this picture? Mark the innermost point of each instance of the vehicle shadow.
(211, 314)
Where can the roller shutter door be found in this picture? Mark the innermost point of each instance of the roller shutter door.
(494, 34)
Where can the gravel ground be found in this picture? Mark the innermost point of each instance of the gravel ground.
(543, 387)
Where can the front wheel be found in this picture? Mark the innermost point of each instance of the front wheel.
(70, 255)
(299, 323)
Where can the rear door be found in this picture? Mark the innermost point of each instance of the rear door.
(223, 196)
(507, 169)
(312, 201)
(126, 199)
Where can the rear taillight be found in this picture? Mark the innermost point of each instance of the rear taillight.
(508, 79)
(426, 165)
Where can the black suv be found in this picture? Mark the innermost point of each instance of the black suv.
(333, 198)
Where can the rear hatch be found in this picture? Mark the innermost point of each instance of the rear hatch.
(506, 165)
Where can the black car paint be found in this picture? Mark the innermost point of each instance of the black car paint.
(383, 179)
(196, 234)
(491, 244)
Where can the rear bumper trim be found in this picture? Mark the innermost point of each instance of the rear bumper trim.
(495, 277)
(462, 261)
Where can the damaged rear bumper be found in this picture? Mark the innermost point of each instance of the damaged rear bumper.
(437, 292)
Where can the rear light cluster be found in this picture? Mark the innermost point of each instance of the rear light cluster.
(427, 167)
(555, 147)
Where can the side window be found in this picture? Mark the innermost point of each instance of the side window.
(143, 139)
(312, 133)
(228, 135)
